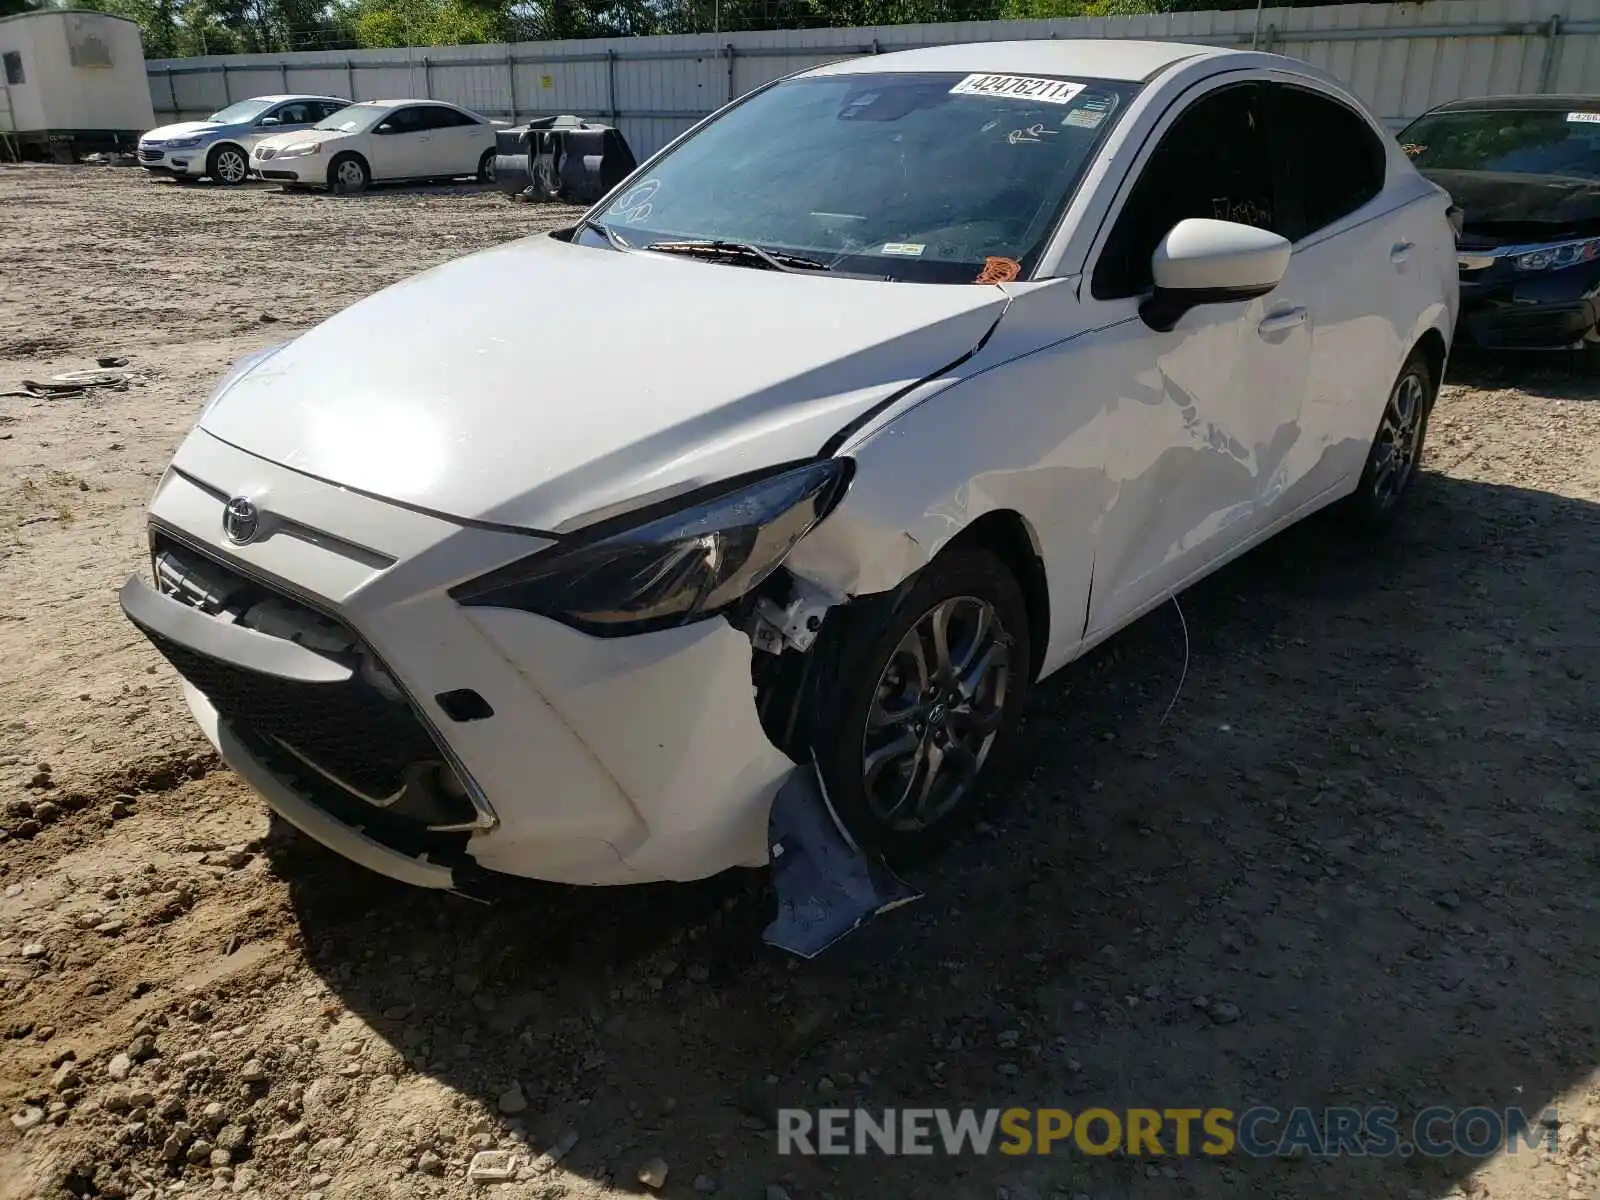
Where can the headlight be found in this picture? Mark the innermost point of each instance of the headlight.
(1555, 257)
(300, 149)
(673, 569)
(182, 143)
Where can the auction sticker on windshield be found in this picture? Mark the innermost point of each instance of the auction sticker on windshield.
(1018, 87)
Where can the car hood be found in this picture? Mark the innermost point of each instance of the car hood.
(301, 136)
(542, 384)
(183, 129)
(1523, 205)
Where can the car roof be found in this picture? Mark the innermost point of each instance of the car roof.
(300, 96)
(398, 103)
(1505, 103)
(1094, 58)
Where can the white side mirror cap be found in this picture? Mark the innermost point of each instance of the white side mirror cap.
(1202, 261)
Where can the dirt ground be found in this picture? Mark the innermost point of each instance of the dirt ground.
(1355, 863)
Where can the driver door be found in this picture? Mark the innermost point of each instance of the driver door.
(399, 144)
(1198, 421)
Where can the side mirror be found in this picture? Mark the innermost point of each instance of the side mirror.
(271, 121)
(384, 128)
(1211, 262)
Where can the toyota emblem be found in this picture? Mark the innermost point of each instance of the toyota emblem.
(241, 521)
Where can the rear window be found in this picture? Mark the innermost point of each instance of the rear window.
(1511, 141)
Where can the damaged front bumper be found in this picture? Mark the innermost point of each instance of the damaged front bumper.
(431, 742)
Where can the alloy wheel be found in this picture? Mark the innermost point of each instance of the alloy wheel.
(351, 176)
(231, 166)
(935, 713)
(1399, 441)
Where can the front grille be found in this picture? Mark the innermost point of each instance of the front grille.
(361, 734)
(279, 175)
(348, 730)
(265, 152)
(148, 154)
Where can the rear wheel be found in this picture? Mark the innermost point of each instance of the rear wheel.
(486, 167)
(922, 702)
(228, 165)
(348, 173)
(1397, 446)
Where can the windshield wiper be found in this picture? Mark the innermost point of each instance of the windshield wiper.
(779, 260)
(606, 232)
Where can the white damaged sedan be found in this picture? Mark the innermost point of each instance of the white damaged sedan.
(876, 398)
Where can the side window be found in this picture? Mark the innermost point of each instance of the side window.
(448, 118)
(1212, 162)
(326, 108)
(403, 120)
(13, 62)
(293, 114)
(1332, 162)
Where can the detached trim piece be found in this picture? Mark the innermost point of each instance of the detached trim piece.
(232, 644)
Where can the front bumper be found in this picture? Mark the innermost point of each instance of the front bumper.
(599, 761)
(189, 162)
(1547, 310)
(306, 169)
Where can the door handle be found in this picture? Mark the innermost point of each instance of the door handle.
(1284, 318)
(1400, 251)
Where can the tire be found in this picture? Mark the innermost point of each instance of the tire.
(877, 775)
(1396, 449)
(486, 167)
(348, 174)
(228, 164)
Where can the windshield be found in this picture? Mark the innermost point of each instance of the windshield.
(1510, 141)
(355, 118)
(239, 113)
(932, 177)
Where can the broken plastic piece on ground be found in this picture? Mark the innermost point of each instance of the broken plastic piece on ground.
(71, 383)
(826, 886)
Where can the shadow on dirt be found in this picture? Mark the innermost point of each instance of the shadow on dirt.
(1353, 865)
(1554, 374)
(441, 187)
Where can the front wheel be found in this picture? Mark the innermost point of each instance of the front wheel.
(922, 701)
(1396, 448)
(228, 165)
(348, 174)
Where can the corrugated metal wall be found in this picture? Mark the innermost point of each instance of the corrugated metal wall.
(1403, 58)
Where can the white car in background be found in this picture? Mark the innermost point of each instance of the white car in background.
(219, 146)
(789, 469)
(381, 141)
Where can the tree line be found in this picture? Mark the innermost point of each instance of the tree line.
(183, 28)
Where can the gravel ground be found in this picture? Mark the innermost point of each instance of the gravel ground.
(1354, 862)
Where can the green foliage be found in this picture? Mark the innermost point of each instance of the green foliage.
(178, 28)
(425, 22)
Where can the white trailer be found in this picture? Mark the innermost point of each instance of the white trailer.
(71, 82)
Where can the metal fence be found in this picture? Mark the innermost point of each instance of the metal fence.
(1403, 58)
